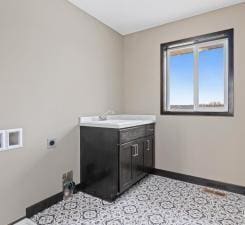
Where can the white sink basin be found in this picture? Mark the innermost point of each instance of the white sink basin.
(117, 121)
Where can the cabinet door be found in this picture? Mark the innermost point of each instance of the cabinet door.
(138, 160)
(131, 163)
(148, 154)
(125, 166)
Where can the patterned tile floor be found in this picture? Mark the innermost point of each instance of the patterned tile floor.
(153, 201)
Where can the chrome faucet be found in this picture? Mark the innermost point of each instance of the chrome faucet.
(104, 115)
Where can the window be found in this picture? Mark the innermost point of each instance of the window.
(197, 75)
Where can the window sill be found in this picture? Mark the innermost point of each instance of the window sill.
(183, 113)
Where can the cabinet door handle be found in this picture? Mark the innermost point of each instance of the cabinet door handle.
(136, 151)
(148, 145)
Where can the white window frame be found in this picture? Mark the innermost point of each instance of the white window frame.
(196, 48)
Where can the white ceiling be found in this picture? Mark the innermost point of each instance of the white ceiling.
(128, 16)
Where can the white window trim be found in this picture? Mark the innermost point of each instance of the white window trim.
(196, 108)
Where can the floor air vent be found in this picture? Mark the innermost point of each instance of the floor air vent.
(214, 192)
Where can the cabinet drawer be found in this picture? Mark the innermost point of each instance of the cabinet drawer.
(129, 134)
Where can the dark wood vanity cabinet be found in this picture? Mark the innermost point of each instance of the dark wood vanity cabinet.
(112, 160)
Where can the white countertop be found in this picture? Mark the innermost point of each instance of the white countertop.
(117, 121)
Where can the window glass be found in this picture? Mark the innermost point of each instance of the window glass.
(181, 71)
(211, 76)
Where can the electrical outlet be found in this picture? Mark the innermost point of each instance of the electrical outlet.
(51, 143)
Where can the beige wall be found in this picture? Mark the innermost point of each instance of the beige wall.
(56, 64)
(208, 147)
